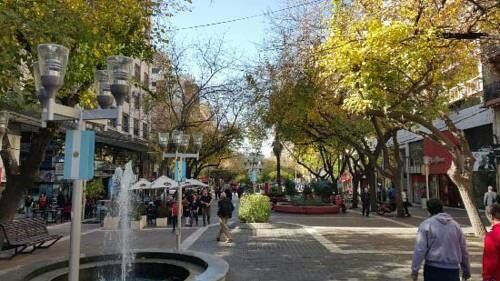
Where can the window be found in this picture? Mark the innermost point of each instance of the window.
(153, 84)
(136, 127)
(126, 123)
(137, 72)
(416, 153)
(137, 102)
(145, 130)
(146, 79)
(155, 70)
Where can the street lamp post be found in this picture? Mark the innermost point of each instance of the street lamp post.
(253, 165)
(49, 74)
(427, 162)
(181, 142)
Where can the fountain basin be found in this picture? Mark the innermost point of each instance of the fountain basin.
(147, 266)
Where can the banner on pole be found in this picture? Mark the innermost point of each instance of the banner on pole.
(180, 170)
(79, 152)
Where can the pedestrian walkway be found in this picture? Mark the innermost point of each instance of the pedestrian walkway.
(345, 247)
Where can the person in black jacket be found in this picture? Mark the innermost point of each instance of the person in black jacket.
(365, 200)
(225, 212)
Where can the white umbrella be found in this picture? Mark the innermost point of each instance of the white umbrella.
(194, 183)
(163, 182)
(141, 184)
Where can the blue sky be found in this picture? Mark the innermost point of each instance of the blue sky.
(243, 36)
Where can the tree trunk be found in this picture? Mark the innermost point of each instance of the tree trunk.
(370, 176)
(397, 190)
(21, 177)
(463, 181)
(278, 170)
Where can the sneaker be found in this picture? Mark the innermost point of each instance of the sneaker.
(217, 239)
(229, 241)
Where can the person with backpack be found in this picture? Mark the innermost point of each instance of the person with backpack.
(441, 243)
(225, 212)
(490, 197)
(491, 252)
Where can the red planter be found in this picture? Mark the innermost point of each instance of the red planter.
(306, 210)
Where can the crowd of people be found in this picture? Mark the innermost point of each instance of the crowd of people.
(44, 204)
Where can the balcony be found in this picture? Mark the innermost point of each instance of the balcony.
(466, 89)
(492, 94)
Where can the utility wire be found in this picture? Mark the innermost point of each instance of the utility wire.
(247, 17)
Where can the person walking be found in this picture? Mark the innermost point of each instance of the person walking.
(491, 251)
(405, 201)
(365, 201)
(195, 207)
(205, 202)
(225, 212)
(28, 206)
(175, 212)
(490, 197)
(441, 243)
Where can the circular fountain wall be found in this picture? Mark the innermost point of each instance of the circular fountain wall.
(146, 266)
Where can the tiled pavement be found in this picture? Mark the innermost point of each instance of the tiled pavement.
(326, 247)
(291, 247)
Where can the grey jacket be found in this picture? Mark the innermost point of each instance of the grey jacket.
(441, 242)
(489, 198)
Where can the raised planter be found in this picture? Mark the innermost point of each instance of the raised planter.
(140, 224)
(306, 210)
(110, 223)
(161, 222)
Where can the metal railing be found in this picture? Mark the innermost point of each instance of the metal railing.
(466, 89)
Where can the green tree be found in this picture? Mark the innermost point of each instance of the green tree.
(386, 60)
(94, 189)
(92, 30)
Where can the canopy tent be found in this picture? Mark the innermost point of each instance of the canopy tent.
(194, 183)
(164, 182)
(141, 184)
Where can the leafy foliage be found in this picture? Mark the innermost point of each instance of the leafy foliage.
(94, 189)
(254, 208)
(301, 201)
(290, 188)
(323, 189)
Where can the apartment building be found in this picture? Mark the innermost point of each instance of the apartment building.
(477, 122)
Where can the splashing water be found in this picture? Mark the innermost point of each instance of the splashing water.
(125, 208)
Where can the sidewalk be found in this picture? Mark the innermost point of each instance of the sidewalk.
(345, 247)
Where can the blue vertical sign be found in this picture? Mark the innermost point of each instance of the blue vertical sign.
(253, 176)
(180, 170)
(79, 152)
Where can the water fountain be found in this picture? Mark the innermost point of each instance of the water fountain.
(130, 265)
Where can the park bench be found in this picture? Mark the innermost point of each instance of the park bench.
(26, 235)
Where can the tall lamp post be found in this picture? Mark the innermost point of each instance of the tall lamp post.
(49, 72)
(427, 163)
(181, 143)
(253, 164)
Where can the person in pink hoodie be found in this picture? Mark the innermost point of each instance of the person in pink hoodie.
(491, 252)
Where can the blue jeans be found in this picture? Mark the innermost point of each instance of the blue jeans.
(432, 273)
(28, 212)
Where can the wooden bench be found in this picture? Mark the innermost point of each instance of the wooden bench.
(26, 235)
